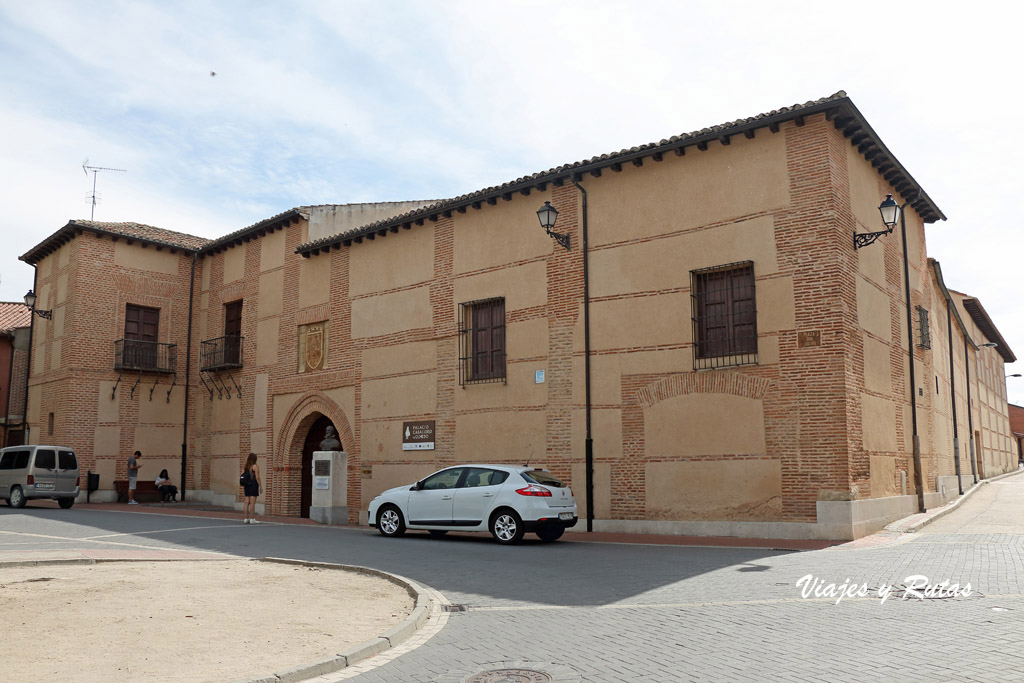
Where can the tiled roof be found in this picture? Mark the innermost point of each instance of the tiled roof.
(981, 318)
(135, 231)
(245, 234)
(839, 109)
(13, 315)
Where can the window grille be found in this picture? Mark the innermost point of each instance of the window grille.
(482, 341)
(724, 316)
(924, 331)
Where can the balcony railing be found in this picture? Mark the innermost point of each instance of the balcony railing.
(145, 356)
(222, 353)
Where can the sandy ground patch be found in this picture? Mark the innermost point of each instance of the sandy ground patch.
(185, 620)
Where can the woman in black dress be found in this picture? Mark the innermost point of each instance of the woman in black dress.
(251, 490)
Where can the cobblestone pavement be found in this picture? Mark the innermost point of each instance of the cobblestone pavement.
(613, 612)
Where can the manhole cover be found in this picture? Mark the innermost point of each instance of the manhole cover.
(510, 676)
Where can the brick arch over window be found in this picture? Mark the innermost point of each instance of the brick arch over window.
(286, 486)
(702, 383)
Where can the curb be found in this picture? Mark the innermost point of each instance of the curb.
(947, 508)
(353, 655)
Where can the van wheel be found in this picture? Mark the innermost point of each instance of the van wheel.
(17, 499)
(65, 503)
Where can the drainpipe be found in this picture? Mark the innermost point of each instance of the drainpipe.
(188, 370)
(589, 443)
(952, 396)
(28, 370)
(970, 421)
(10, 385)
(918, 474)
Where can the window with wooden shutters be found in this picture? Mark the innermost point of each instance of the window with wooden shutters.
(141, 325)
(724, 316)
(482, 341)
(232, 332)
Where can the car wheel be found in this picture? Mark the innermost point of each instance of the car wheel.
(438, 532)
(65, 503)
(17, 499)
(507, 527)
(550, 532)
(390, 522)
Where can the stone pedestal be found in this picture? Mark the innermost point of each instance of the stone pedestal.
(330, 487)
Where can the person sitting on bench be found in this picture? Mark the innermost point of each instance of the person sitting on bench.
(163, 484)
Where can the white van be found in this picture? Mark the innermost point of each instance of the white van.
(30, 472)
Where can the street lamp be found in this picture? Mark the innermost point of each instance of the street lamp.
(30, 301)
(890, 210)
(547, 215)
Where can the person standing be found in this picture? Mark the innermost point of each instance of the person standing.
(133, 476)
(251, 490)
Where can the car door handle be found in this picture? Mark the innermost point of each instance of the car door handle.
(446, 497)
(488, 495)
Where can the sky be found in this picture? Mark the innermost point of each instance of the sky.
(226, 112)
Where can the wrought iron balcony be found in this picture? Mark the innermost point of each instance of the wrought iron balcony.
(222, 353)
(145, 356)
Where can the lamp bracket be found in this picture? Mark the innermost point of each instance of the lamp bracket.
(562, 239)
(46, 315)
(863, 239)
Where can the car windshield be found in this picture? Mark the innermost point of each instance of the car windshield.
(543, 477)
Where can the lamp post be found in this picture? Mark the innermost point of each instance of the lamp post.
(890, 211)
(30, 301)
(547, 215)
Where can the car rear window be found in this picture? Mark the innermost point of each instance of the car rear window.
(21, 459)
(543, 477)
(46, 460)
(67, 460)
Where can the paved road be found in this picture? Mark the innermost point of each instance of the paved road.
(612, 612)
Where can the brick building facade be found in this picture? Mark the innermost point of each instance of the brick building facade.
(748, 366)
(14, 332)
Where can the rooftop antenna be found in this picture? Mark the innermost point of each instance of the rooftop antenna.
(94, 198)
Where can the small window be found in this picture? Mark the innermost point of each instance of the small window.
(67, 460)
(482, 341)
(446, 479)
(7, 461)
(50, 424)
(46, 460)
(924, 331)
(724, 316)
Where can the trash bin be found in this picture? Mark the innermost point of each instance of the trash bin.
(92, 483)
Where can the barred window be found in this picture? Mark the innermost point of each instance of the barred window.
(482, 341)
(925, 341)
(724, 315)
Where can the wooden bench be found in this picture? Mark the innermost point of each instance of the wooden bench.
(145, 491)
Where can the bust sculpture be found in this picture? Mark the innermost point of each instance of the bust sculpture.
(330, 442)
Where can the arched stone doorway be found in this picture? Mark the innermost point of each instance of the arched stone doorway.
(314, 436)
(301, 432)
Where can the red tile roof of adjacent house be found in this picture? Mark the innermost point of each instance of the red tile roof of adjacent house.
(13, 315)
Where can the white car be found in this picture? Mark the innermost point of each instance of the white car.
(507, 500)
